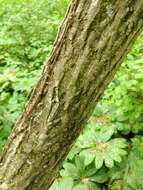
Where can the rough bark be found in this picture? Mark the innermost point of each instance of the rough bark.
(91, 44)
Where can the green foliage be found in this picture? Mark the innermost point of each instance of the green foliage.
(111, 146)
(109, 153)
(27, 32)
(101, 149)
(125, 102)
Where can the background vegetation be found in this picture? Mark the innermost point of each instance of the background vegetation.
(109, 153)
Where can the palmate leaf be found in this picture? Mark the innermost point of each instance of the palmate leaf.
(106, 152)
(77, 170)
(94, 134)
(84, 177)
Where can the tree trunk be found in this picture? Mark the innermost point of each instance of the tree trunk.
(92, 42)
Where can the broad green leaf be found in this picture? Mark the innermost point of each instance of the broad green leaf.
(88, 155)
(100, 176)
(64, 183)
(70, 170)
(99, 160)
(80, 187)
(93, 186)
(90, 170)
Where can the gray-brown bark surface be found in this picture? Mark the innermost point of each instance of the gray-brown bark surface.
(92, 42)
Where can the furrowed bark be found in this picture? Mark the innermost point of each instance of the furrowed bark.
(91, 44)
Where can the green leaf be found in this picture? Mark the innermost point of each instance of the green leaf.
(90, 170)
(79, 161)
(99, 160)
(70, 170)
(93, 186)
(81, 187)
(101, 176)
(55, 185)
(109, 162)
(88, 155)
(64, 183)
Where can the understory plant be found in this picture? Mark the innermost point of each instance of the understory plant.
(109, 153)
(27, 33)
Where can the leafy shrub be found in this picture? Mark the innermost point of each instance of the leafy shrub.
(27, 32)
(109, 154)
